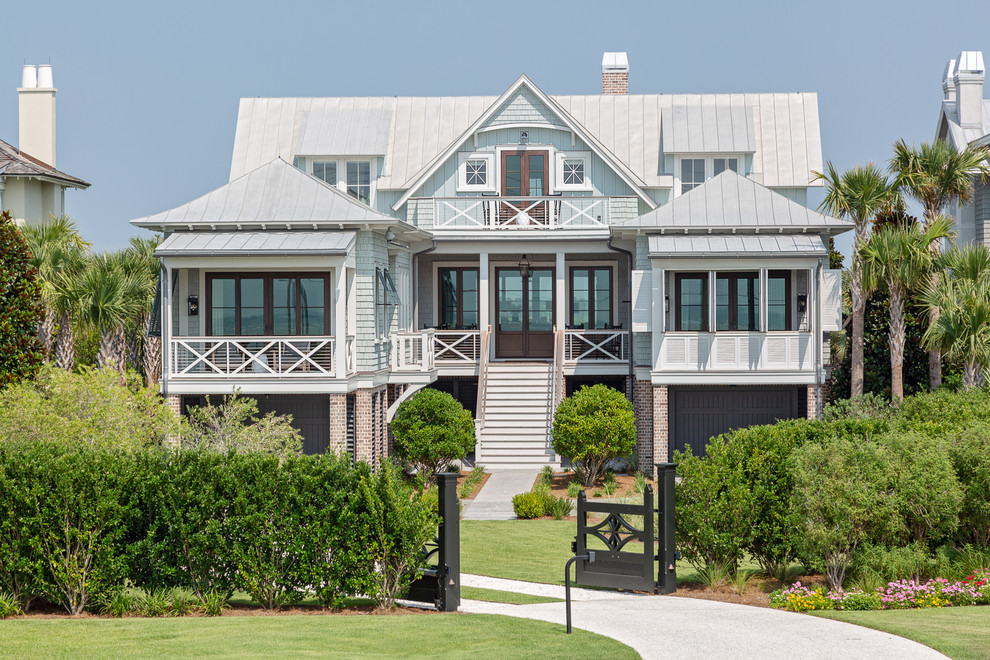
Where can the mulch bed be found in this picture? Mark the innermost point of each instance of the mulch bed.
(46, 611)
(624, 486)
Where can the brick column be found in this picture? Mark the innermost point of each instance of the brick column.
(643, 407)
(371, 442)
(175, 405)
(338, 423)
(660, 426)
(814, 391)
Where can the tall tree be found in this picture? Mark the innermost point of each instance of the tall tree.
(858, 194)
(21, 306)
(146, 270)
(961, 290)
(899, 257)
(937, 174)
(109, 297)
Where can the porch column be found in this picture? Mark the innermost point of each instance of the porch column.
(483, 292)
(560, 304)
(340, 321)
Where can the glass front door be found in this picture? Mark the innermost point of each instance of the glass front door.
(524, 313)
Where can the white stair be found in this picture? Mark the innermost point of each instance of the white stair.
(515, 432)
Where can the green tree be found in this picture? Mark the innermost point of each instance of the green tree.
(960, 291)
(110, 295)
(21, 306)
(858, 194)
(432, 429)
(234, 426)
(899, 257)
(937, 174)
(146, 350)
(592, 427)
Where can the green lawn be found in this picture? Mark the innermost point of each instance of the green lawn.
(962, 633)
(496, 596)
(414, 636)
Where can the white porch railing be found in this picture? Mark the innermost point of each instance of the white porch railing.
(251, 357)
(743, 351)
(596, 346)
(457, 346)
(520, 212)
(412, 351)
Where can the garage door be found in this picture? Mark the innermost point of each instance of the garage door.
(697, 414)
(310, 415)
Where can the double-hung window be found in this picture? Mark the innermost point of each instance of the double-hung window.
(459, 298)
(692, 173)
(293, 304)
(359, 180)
(591, 297)
(326, 170)
(737, 301)
(691, 302)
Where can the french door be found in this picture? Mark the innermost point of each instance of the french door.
(524, 174)
(524, 313)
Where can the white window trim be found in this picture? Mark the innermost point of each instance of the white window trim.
(342, 171)
(709, 166)
(551, 158)
(462, 158)
(561, 156)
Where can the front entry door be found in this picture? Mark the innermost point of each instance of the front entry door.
(524, 313)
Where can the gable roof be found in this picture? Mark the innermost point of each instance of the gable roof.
(274, 194)
(732, 201)
(948, 125)
(634, 129)
(14, 162)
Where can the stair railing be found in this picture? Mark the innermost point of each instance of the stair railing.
(556, 380)
(479, 415)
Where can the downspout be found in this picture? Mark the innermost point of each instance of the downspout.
(415, 278)
(632, 351)
(819, 342)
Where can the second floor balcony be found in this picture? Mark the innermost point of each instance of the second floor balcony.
(533, 213)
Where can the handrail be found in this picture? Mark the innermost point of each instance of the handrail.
(252, 357)
(507, 212)
(557, 380)
(483, 375)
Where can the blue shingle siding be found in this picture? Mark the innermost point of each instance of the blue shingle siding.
(524, 107)
(623, 208)
(420, 213)
(371, 252)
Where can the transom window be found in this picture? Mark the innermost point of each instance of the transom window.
(292, 304)
(459, 298)
(722, 164)
(476, 172)
(691, 302)
(573, 171)
(591, 298)
(692, 173)
(359, 180)
(737, 301)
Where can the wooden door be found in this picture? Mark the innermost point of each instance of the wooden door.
(524, 175)
(524, 309)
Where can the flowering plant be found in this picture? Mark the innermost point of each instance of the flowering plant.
(902, 594)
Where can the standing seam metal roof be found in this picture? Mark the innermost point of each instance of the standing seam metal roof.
(296, 243)
(742, 246)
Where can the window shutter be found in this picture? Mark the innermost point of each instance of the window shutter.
(831, 292)
(642, 298)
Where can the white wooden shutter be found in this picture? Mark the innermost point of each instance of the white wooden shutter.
(642, 297)
(831, 292)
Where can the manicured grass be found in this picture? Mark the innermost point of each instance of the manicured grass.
(531, 550)
(496, 596)
(962, 633)
(413, 636)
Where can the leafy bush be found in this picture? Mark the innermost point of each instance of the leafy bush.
(21, 302)
(592, 427)
(9, 605)
(234, 426)
(557, 508)
(120, 602)
(970, 452)
(866, 406)
(528, 505)
(573, 488)
(432, 429)
(943, 412)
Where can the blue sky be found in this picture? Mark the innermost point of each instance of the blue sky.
(148, 92)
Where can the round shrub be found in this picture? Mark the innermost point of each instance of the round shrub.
(528, 505)
(432, 429)
(592, 427)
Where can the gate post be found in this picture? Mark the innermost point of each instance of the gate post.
(667, 550)
(449, 542)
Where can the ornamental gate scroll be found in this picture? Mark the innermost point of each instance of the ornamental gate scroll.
(440, 582)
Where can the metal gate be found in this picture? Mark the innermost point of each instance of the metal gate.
(440, 582)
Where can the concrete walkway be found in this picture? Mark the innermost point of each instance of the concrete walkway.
(674, 627)
(494, 502)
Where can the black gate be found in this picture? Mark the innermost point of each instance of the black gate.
(440, 582)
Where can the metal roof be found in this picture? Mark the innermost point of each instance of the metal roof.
(780, 130)
(962, 137)
(794, 245)
(275, 193)
(14, 162)
(264, 243)
(731, 200)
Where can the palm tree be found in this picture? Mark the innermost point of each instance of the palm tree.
(56, 246)
(961, 290)
(109, 296)
(900, 257)
(146, 269)
(66, 306)
(858, 194)
(937, 174)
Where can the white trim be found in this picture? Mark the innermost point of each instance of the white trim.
(490, 186)
(709, 167)
(341, 183)
(559, 159)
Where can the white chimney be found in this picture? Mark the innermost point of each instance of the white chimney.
(948, 84)
(615, 73)
(36, 107)
(968, 79)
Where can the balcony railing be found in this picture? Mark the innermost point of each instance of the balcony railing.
(520, 212)
(596, 346)
(252, 357)
(743, 351)
(457, 346)
(412, 351)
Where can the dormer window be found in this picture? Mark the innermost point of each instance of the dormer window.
(722, 164)
(326, 170)
(695, 171)
(692, 173)
(351, 176)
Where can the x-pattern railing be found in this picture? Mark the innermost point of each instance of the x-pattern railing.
(252, 356)
(588, 213)
(550, 212)
(471, 219)
(457, 346)
(596, 345)
(538, 212)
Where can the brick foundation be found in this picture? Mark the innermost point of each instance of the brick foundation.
(370, 407)
(814, 391)
(175, 405)
(338, 423)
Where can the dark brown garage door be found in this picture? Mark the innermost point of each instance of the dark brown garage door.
(697, 414)
(310, 414)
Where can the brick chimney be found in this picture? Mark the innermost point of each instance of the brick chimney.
(615, 73)
(968, 80)
(36, 111)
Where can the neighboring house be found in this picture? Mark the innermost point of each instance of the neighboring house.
(508, 249)
(964, 119)
(30, 186)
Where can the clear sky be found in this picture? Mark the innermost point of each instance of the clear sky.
(148, 92)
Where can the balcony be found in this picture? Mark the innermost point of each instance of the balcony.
(732, 351)
(537, 213)
(239, 358)
(608, 346)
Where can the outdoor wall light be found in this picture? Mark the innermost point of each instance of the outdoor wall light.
(192, 306)
(802, 302)
(524, 266)
(523, 137)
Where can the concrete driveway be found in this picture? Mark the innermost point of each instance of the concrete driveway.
(673, 627)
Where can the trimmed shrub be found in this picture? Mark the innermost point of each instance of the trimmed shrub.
(528, 505)
(432, 430)
(970, 452)
(592, 427)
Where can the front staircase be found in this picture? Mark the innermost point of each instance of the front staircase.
(515, 429)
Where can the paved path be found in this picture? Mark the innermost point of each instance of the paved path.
(494, 501)
(674, 627)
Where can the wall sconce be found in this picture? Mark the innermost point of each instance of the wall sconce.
(523, 137)
(192, 306)
(802, 302)
(524, 266)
